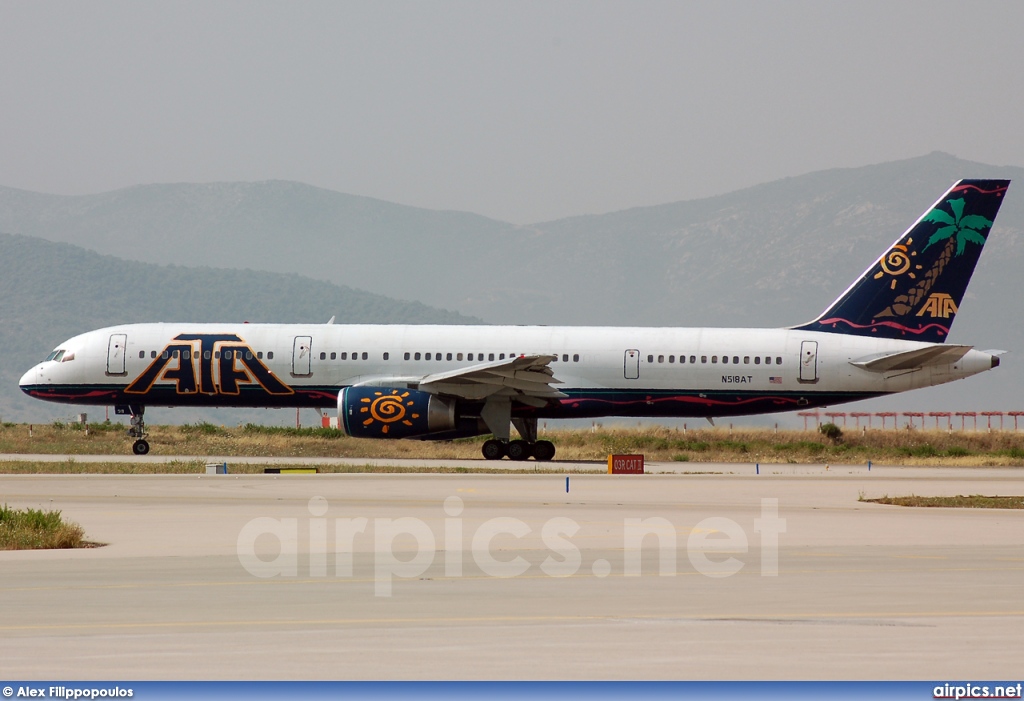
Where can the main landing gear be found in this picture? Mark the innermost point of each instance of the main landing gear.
(518, 450)
(497, 414)
(138, 427)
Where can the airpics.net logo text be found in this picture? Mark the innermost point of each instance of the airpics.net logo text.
(406, 547)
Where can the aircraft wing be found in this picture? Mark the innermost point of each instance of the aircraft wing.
(527, 379)
(939, 354)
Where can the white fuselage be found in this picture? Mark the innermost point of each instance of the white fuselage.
(602, 371)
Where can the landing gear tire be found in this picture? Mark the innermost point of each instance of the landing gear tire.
(140, 447)
(519, 450)
(493, 449)
(543, 451)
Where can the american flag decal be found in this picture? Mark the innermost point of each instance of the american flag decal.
(775, 380)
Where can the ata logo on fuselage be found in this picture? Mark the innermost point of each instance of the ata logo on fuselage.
(208, 363)
(938, 305)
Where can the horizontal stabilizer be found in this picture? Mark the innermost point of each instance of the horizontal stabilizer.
(940, 354)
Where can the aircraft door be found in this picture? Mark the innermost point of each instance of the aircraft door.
(631, 364)
(302, 352)
(115, 354)
(809, 361)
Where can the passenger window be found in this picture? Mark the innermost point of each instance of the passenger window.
(270, 355)
(386, 356)
(142, 354)
(491, 356)
(650, 359)
(344, 356)
(661, 359)
(366, 356)
(703, 359)
(334, 356)
(671, 359)
(259, 355)
(714, 359)
(565, 357)
(216, 355)
(757, 360)
(768, 361)
(735, 360)
(778, 361)
(459, 356)
(501, 356)
(187, 355)
(746, 360)
(437, 356)
(693, 359)
(152, 354)
(576, 357)
(407, 355)
(448, 356)
(427, 356)
(323, 356)
(417, 356)
(725, 360)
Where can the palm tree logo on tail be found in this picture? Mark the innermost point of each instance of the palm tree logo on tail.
(957, 231)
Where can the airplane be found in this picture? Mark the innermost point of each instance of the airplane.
(885, 334)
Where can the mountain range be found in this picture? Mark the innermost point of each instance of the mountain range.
(771, 255)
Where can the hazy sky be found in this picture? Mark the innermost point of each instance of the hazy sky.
(521, 111)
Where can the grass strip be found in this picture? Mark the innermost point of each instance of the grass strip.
(974, 501)
(198, 467)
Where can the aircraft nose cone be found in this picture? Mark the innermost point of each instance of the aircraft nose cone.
(29, 378)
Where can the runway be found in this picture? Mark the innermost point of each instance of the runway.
(559, 587)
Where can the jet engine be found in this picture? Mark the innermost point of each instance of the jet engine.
(382, 412)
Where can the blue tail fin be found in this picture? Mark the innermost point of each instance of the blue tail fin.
(914, 290)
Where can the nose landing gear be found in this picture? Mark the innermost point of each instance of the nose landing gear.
(137, 429)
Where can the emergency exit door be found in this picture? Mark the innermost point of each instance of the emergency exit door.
(631, 364)
(302, 351)
(809, 361)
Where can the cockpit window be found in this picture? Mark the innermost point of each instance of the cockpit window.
(55, 356)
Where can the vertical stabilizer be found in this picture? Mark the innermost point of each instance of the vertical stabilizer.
(914, 290)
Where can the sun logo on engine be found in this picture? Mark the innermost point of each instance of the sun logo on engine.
(387, 408)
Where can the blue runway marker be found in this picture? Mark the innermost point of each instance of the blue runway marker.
(566, 485)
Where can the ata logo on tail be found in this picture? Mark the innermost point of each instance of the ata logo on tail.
(938, 305)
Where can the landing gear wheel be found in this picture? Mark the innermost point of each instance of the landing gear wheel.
(519, 450)
(140, 447)
(543, 450)
(493, 449)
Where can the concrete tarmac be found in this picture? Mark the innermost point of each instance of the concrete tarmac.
(197, 580)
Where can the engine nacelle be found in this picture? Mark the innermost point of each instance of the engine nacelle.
(382, 412)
